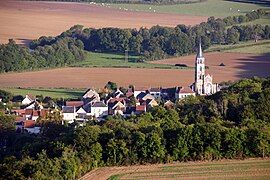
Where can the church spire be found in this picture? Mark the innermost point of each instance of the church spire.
(200, 54)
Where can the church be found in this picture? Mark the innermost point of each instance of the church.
(203, 84)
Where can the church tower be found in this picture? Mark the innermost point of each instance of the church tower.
(199, 72)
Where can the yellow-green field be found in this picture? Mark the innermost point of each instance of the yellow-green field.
(225, 169)
(217, 8)
(104, 60)
(53, 93)
(250, 47)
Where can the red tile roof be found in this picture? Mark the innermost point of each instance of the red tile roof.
(28, 111)
(74, 103)
(114, 100)
(129, 94)
(141, 108)
(35, 113)
(19, 119)
(43, 112)
(29, 124)
(185, 90)
(19, 111)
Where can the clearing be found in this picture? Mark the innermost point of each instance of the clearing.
(108, 60)
(27, 20)
(224, 169)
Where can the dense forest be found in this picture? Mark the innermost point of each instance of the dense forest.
(61, 52)
(150, 44)
(233, 123)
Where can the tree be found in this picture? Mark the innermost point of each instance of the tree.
(232, 36)
(7, 123)
(112, 86)
(6, 96)
(154, 150)
(232, 143)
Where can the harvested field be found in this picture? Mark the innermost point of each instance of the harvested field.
(25, 20)
(225, 169)
(96, 77)
(237, 66)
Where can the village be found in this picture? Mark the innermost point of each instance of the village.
(91, 106)
(111, 101)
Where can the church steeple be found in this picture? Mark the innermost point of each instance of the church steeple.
(203, 84)
(199, 71)
(200, 53)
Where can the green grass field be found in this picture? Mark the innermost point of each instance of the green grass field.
(53, 93)
(234, 169)
(260, 47)
(117, 61)
(217, 8)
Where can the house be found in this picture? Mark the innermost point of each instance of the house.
(169, 104)
(28, 126)
(99, 109)
(156, 92)
(90, 96)
(32, 114)
(182, 93)
(28, 99)
(140, 109)
(145, 96)
(168, 93)
(18, 112)
(138, 91)
(69, 113)
(74, 103)
(19, 118)
(130, 110)
(81, 114)
(151, 103)
(43, 113)
(118, 93)
(28, 114)
(34, 105)
(116, 106)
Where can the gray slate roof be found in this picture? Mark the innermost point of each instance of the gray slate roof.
(99, 104)
(68, 109)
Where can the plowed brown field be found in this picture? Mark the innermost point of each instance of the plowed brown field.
(24, 20)
(224, 169)
(237, 66)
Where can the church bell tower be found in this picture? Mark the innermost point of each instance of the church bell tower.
(199, 71)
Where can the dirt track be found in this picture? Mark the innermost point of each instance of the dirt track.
(24, 20)
(237, 66)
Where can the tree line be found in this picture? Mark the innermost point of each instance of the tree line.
(60, 52)
(233, 123)
(160, 42)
